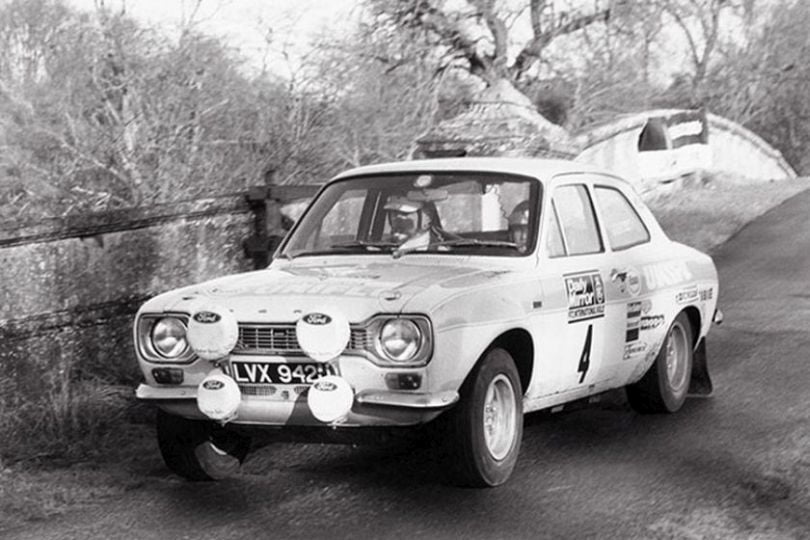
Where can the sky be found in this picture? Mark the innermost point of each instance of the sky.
(244, 24)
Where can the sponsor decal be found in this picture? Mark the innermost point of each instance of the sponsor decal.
(652, 353)
(651, 322)
(586, 296)
(207, 317)
(687, 296)
(666, 274)
(633, 321)
(646, 306)
(633, 349)
(317, 319)
(627, 280)
(213, 384)
(644, 363)
(706, 294)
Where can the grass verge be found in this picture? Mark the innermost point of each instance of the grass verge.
(706, 215)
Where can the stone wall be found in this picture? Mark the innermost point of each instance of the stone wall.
(69, 288)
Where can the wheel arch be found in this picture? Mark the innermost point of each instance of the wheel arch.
(518, 343)
(693, 314)
(700, 383)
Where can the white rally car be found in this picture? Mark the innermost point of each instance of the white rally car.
(462, 292)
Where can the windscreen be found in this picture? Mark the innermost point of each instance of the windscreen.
(446, 213)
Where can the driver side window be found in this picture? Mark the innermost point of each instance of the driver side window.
(574, 209)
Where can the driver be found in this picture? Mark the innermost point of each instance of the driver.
(406, 218)
(519, 226)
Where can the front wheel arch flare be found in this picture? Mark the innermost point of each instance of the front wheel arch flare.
(518, 343)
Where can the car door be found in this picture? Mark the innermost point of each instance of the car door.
(628, 245)
(570, 328)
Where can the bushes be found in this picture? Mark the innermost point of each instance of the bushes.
(70, 420)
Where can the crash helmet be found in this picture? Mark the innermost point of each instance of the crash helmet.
(519, 225)
(404, 216)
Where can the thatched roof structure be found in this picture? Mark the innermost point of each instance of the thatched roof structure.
(501, 121)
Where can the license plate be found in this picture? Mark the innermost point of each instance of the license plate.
(275, 373)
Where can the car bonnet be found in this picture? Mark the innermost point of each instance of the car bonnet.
(284, 292)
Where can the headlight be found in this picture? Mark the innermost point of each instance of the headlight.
(169, 337)
(400, 339)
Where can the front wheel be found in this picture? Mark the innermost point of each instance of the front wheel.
(199, 450)
(486, 426)
(663, 388)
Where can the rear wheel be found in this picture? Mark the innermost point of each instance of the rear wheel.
(199, 450)
(486, 426)
(663, 388)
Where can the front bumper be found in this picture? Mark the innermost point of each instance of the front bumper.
(287, 405)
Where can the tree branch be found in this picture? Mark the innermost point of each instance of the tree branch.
(497, 28)
(531, 52)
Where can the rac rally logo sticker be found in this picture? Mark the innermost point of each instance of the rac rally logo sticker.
(207, 317)
(317, 319)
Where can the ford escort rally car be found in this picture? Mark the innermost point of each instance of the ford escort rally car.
(460, 292)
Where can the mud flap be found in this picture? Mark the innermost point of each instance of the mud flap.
(700, 385)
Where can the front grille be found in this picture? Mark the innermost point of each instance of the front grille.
(262, 390)
(279, 339)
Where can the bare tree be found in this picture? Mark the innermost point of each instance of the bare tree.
(98, 112)
(701, 23)
(762, 82)
(384, 94)
(482, 34)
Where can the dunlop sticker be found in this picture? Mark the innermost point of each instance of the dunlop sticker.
(652, 322)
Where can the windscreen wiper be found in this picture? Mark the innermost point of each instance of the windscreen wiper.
(462, 242)
(368, 246)
(455, 242)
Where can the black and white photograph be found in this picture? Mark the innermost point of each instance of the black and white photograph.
(404, 269)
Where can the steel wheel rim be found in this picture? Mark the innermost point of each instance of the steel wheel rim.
(500, 410)
(676, 358)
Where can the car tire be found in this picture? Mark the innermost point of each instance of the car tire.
(199, 450)
(664, 387)
(486, 426)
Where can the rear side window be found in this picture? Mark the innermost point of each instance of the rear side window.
(622, 223)
(577, 219)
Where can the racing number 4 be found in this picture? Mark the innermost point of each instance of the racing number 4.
(585, 358)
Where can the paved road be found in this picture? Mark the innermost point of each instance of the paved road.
(733, 466)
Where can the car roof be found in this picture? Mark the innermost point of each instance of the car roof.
(536, 167)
